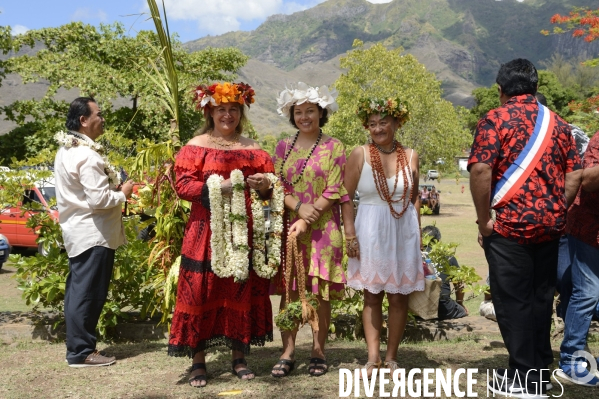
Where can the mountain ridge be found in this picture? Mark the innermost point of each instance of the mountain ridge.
(462, 41)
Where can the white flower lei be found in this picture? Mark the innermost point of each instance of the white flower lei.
(74, 140)
(262, 268)
(228, 223)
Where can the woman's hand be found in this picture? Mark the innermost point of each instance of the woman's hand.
(258, 182)
(226, 188)
(309, 213)
(298, 228)
(352, 247)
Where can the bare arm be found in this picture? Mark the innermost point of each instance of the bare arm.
(480, 187)
(353, 169)
(415, 192)
(573, 180)
(590, 179)
(308, 212)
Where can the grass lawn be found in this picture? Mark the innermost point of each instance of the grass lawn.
(38, 370)
(456, 220)
(143, 369)
(10, 296)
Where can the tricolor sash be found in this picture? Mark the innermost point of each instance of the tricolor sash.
(515, 176)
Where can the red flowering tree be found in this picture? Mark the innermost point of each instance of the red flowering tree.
(582, 23)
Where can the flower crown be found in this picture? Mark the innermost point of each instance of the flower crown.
(209, 96)
(383, 106)
(304, 93)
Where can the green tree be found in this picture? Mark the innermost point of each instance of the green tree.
(485, 99)
(558, 98)
(434, 130)
(111, 66)
(574, 74)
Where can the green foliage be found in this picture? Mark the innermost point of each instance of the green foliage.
(425, 210)
(290, 318)
(558, 97)
(574, 75)
(5, 47)
(440, 253)
(106, 63)
(43, 278)
(269, 142)
(485, 99)
(387, 73)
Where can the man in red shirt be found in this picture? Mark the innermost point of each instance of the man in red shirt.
(583, 242)
(523, 165)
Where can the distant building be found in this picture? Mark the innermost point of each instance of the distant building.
(463, 163)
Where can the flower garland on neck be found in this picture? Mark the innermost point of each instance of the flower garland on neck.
(263, 268)
(228, 223)
(75, 139)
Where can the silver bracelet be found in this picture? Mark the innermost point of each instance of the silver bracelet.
(297, 207)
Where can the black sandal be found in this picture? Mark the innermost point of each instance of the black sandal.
(319, 367)
(243, 372)
(199, 377)
(283, 363)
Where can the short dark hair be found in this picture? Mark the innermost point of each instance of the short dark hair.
(433, 232)
(321, 122)
(541, 98)
(79, 107)
(518, 77)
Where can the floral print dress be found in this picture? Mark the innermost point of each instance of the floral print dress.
(322, 245)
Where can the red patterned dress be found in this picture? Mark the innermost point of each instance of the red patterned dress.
(213, 311)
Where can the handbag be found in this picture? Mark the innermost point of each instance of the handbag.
(425, 304)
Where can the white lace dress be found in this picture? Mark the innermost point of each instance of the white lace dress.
(390, 258)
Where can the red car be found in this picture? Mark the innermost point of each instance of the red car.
(13, 219)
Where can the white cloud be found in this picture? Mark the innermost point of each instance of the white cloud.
(86, 14)
(217, 17)
(18, 29)
(379, 1)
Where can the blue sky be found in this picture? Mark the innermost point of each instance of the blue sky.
(191, 19)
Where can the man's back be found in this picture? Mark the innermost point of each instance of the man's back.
(536, 213)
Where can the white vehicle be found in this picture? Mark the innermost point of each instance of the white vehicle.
(432, 174)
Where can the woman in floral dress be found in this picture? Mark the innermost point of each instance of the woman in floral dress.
(212, 310)
(310, 165)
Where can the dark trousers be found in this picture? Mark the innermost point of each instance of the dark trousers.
(523, 278)
(85, 295)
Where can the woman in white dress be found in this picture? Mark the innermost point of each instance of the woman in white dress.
(383, 243)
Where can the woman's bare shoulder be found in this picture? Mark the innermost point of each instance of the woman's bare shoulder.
(200, 140)
(249, 143)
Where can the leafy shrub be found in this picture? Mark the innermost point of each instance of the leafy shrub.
(464, 276)
(43, 278)
(425, 210)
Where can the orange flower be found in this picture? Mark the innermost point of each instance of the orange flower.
(223, 93)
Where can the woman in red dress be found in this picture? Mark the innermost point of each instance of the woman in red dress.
(212, 310)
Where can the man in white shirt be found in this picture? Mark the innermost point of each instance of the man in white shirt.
(89, 199)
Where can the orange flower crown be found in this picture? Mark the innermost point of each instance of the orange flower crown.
(209, 96)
